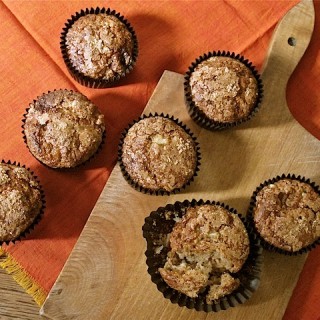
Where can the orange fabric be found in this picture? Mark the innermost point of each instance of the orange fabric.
(171, 34)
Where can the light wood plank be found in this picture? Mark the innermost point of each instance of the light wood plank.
(106, 275)
(15, 303)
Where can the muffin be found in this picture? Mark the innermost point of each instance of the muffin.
(222, 90)
(63, 129)
(99, 47)
(207, 245)
(201, 255)
(286, 214)
(20, 201)
(157, 154)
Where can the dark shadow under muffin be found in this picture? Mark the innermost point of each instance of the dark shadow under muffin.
(20, 201)
(63, 128)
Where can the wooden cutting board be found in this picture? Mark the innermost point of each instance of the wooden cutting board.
(106, 275)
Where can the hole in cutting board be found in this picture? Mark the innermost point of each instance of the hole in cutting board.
(292, 41)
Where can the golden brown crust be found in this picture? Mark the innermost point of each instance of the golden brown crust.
(224, 89)
(184, 277)
(287, 214)
(208, 242)
(211, 232)
(221, 285)
(99, 46)
(63, 128)
(20, 201)
(158, 154)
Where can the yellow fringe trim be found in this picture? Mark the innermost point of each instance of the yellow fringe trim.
(13, 268)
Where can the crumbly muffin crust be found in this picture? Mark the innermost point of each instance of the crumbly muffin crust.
(221, 285)
(158, 154)
(20, 201)
(287, 214)
(100, 46)
(63, 128)
(207, 244)
(224, 89)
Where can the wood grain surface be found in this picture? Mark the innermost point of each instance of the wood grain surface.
(15, 303)
(106, 275)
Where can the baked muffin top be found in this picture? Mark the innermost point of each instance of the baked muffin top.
(287, 214)
(224, 89)
(63, 128)
(99, 46)
(20, 201)
(207, 244)
(158, 154)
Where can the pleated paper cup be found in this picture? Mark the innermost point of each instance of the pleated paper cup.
(265, 244)
(86, 80)
(198, 115)
(159, 225)
(136, 185)
(39, 212)
(61, 168)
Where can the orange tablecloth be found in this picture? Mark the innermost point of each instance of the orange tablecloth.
(171, 34)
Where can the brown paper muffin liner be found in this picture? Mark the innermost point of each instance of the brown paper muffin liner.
(199, 116)
(78, 76)
(161, 192)
(103, 140)
(157, 227)
(266, 245)
(37, 219)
